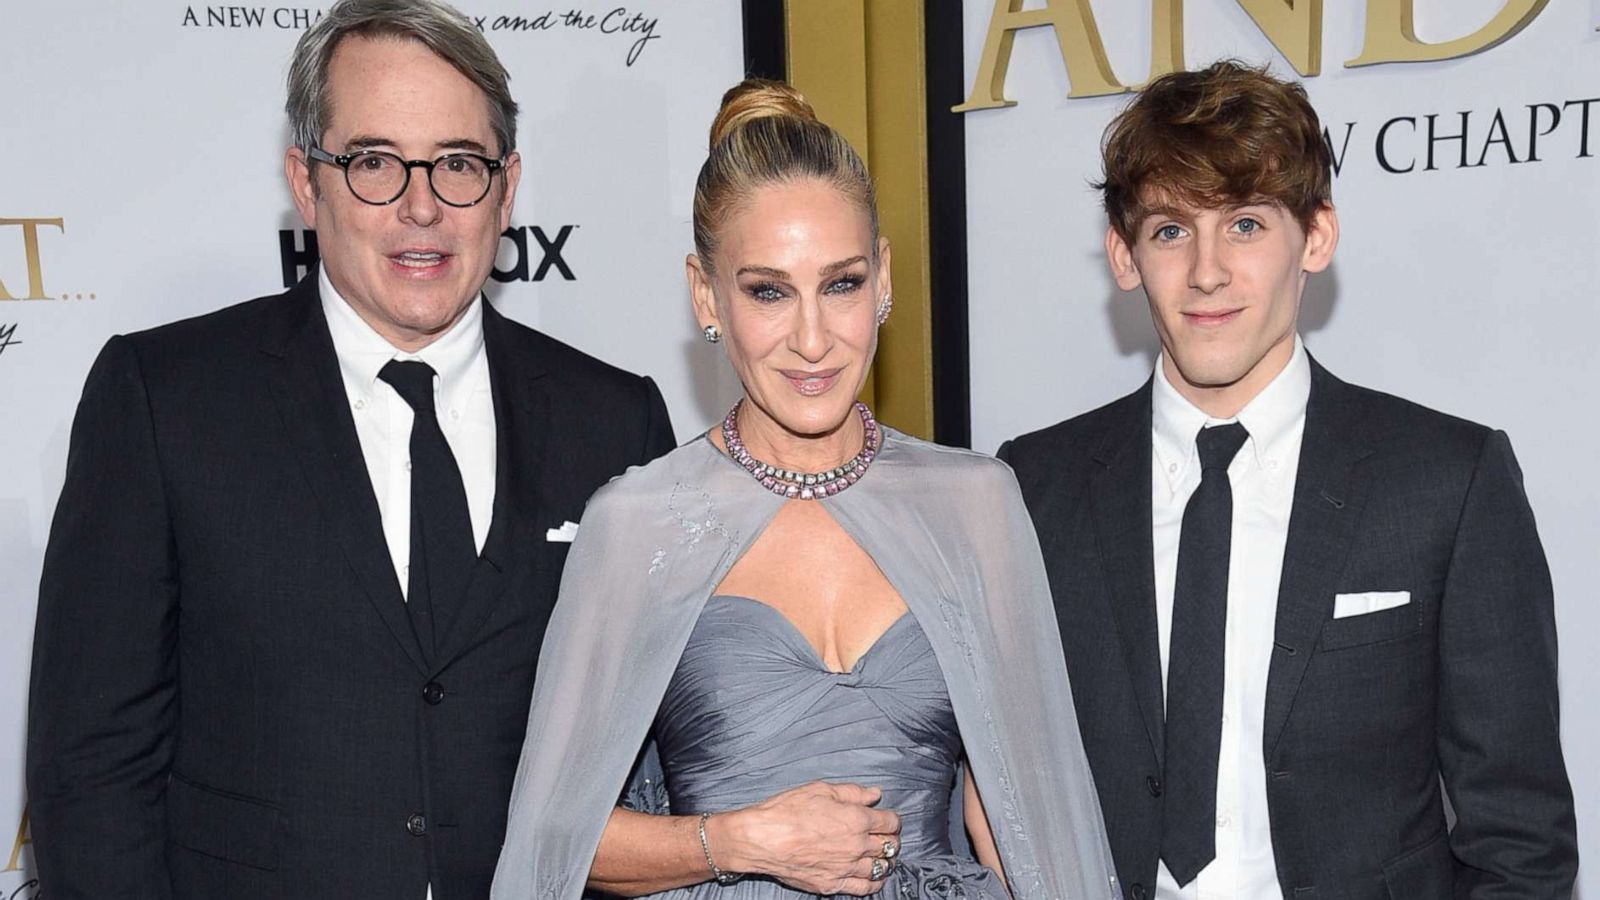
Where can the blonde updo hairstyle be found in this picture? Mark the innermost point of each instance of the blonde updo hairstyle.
(767, 133)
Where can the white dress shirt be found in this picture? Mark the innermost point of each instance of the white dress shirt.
(462, 399)
(1262, 477)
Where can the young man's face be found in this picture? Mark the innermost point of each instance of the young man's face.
(1224, 287)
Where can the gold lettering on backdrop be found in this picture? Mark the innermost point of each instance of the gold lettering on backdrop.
(23, 839)
(1166, 37)
(1082, 51)
(1392, 35)
(30, 246)
(1076, 33)
(1294, 27)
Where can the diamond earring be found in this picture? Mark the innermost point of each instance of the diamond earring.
(884, 308)
(713, 334)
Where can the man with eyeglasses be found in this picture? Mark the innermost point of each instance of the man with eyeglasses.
(307, 545)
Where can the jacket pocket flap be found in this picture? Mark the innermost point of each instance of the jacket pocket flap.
(1370, 628)
(223, 825)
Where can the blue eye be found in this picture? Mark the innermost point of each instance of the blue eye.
(1248, 226)
(845, 285)
(766, 292)
(1169, 233)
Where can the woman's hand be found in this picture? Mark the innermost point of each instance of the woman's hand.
(821, 838)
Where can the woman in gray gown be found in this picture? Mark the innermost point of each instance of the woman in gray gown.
(811, 622)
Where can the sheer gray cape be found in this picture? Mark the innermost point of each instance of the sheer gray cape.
(948, 529)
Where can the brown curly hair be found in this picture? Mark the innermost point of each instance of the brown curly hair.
(1227, 135)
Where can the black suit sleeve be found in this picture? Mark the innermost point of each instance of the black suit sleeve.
(659, 438)
(103, 695)
(1499, 730)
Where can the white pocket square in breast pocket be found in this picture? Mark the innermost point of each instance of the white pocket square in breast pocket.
(566, 534)
(1347, 605)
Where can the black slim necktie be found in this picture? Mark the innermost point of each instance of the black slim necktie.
(1195, 663)
(443, 550)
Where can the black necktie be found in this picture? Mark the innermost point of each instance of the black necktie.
(443, 550)
(1195, 664)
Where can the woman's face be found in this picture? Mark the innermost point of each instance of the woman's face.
(795, 286)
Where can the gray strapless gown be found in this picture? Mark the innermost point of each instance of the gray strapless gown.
(751, 711)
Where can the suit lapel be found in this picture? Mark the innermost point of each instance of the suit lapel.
(522, 423)
(1120, 496)
(309, 392)
(1329, 493)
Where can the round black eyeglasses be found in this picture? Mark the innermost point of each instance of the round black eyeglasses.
(379, 177)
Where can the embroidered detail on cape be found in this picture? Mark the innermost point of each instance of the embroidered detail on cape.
(697, 523)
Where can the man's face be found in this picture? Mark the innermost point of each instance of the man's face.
(1224, 287)
(412, 267)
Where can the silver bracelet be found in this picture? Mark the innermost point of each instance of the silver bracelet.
(719, 876)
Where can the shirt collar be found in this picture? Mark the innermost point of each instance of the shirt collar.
(363, 352)
(1272, 418)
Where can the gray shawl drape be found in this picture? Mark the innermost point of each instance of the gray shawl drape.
(948, 529)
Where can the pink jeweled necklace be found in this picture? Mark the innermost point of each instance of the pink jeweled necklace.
(804, 485)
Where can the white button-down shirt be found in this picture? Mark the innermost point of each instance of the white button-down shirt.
(1262, 477)
(462, 400)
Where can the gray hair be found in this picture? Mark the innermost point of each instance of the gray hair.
(436, 25)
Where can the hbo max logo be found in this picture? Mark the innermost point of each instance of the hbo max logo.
(526, 260)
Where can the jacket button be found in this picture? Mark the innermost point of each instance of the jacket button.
(1136, 892)
(433, 693)
(1154, 784)
(417, 825)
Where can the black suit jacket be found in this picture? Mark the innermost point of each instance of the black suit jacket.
(228, 700)
(1364, 715)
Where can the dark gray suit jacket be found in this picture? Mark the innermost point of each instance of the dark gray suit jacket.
(228, 699)
(1366, 715)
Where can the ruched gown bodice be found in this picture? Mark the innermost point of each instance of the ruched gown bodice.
(751, 711)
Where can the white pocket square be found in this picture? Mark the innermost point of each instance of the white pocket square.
(566, 534)
(1347, 605)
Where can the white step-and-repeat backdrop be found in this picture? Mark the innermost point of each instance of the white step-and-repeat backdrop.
(1467, 277)
(141, 181)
